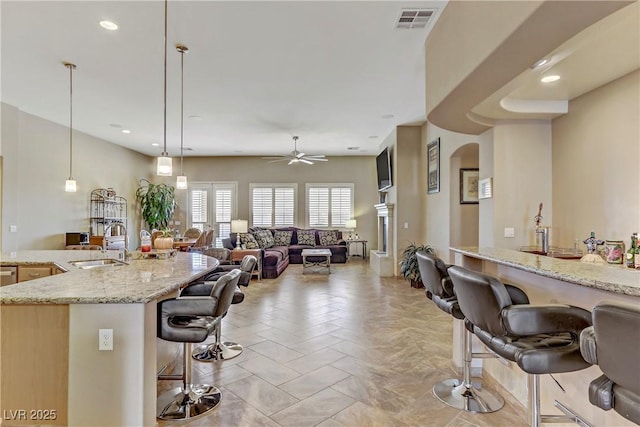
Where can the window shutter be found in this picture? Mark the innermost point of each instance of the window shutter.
(340, 206)
(318, 205)
(199, 208)
(284, 207)
(262, 200)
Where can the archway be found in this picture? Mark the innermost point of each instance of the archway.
(463, 220)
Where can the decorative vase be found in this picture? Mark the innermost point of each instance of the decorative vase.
(614, 251)
(163, 243)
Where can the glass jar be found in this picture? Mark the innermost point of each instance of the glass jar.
(614, 251)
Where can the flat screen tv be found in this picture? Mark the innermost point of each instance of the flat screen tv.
(383, 166)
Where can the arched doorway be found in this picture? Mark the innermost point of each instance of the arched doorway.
(463, 221)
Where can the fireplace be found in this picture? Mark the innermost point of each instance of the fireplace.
(383, 260)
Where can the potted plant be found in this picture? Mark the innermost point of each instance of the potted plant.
(157, 203)
(409, 264)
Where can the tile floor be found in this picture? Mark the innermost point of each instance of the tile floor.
(346, 349)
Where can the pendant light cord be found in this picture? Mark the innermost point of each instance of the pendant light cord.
(70, 67)
(164, 152)
(182, 50)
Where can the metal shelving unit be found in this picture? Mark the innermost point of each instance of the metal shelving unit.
(107, 208)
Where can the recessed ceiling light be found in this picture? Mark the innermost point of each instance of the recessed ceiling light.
(155, 144)
(549, 79)
(373, 136)
(387, 116)
(195, 117)
(108, 25)
(115, 125)
(353, 148)
(125, 131)
(540, 63)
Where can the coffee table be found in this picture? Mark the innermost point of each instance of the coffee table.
(316, 258)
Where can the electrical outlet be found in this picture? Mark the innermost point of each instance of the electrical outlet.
(105, 339)
(13, 229)
(406, 225)
(177, 222)
(509, 232)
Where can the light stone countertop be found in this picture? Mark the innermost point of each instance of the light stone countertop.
(141, 281)
(607, 277)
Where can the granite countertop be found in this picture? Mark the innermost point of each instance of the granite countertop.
(141, 281)
(607, 277)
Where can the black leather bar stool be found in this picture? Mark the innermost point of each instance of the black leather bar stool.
(613, 343)
(459, 394)
(541, 339)
(191, 320)
(219, 350)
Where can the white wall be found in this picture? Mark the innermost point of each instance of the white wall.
(596, 164)
(463, 227)
(35, 167)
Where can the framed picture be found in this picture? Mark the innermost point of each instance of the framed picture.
(469, 186)
(433, 166)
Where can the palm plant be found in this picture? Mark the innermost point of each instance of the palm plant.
(409, 264)
(157, 203)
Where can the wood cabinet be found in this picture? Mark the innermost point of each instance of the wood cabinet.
(31, 273)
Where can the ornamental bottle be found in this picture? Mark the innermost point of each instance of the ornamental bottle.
(631, 253)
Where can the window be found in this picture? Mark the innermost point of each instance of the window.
(212, 204)
(273, 205)
(329, 205)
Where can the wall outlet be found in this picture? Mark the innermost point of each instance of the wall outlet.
(509, 232)
(105, 339)
(13, 228)
(177, 222)
(406, 225)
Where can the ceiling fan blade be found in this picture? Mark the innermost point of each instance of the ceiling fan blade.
(292, 161)
(306, 161)
(317, 159)
(299, 155)
(284, 159)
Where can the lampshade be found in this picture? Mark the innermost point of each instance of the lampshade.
(164, 165)
(350, 223)
(239, 226)
(181, 183)
(70, 185)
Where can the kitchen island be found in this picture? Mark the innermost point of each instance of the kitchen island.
(548, 280)
(52, 372)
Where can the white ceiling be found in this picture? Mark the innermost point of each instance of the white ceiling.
(257, 73)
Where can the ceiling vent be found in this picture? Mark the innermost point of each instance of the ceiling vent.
(414, 18)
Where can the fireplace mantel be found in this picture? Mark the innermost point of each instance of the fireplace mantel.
(383, 259)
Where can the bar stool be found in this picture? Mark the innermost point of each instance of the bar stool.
(541, 339)
(219, 350)
(190, 320)
(613, 343)
(463, 395)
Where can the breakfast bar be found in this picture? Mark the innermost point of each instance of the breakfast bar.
(548, 280)
(52, 371)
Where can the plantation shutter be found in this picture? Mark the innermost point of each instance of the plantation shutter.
(262, 202)
(284, 207)
(340, 206)
(318, 206)
(199, 208)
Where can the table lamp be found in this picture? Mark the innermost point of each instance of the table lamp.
(351, 225)
(239, 226)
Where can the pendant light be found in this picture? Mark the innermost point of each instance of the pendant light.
(164, 167)
(70, 183)
(181, 182)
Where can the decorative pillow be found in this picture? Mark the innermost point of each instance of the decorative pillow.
(307, 237)
(248, 241)
(282, 237)
(264, 238)
(328, 237)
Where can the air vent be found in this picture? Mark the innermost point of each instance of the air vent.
(414, 18)
(187, 149)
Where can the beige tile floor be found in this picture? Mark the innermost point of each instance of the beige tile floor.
(345, 349)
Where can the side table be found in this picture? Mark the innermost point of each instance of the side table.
(356, 241)
(238, 254)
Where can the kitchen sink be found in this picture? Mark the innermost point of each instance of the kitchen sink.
(96, 263)
(554, 252)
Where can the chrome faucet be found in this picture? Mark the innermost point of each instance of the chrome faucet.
(542, 231)
(125, 255)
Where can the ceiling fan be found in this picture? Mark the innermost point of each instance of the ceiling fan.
(297, 157)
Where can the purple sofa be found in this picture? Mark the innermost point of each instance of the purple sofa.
(275, 259)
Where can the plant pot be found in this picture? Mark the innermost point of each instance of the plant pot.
(163, 243)
(417, 284)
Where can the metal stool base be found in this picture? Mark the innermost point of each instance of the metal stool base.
(213, 352)
(176, 405)
(453, 393)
